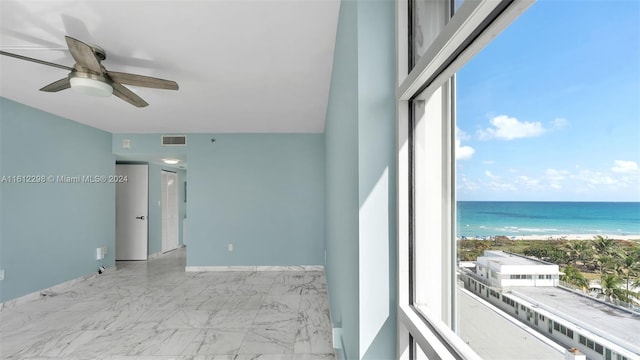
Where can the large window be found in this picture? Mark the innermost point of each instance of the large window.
(505, 104)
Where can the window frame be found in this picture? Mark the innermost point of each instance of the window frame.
(474, 24)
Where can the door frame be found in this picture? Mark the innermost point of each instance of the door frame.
(166, 200)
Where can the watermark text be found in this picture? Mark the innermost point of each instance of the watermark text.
(63, 179)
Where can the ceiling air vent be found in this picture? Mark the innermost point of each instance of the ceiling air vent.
(174, 140)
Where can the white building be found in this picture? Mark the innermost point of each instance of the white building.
(502, 270)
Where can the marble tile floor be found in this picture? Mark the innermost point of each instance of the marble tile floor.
(155, 310)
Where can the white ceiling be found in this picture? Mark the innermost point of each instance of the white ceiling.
(242, 66)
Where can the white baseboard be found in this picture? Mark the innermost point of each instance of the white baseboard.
(50, 290)
(254, 268)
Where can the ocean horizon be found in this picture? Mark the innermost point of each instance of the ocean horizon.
(546, 218)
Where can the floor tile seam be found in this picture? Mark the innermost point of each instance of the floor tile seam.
(48, 333)
(253, 321)
(265, 338)
(204, 332)
(173, 331)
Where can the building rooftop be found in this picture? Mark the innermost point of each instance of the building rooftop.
(514, 341)
(504, 258)
(597, 317)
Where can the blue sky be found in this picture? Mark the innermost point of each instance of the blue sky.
(550, 110)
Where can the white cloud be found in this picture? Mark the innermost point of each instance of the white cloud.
(461, 134)
(488, 162)
(463, 152)
(490, 175)
(594, 178)
(555, 178)
(529, 182)
(509, 128)
(624, 166)
(502, 186)
(556, 175)
(559, 123)
(464, 183)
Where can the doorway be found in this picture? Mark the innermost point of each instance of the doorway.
(169, 208)
(132, 212)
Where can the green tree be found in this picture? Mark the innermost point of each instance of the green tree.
(603, 253)
(577, 251)
(538, 250)
(573, 276)
(611, 287)
(627, 266)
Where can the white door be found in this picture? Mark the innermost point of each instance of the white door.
(169, 200)
(131, 212)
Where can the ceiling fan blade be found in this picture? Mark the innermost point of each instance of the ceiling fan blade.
(35, 60)
(57, 85)
(141, 80)
(128, 95)
(83, 55)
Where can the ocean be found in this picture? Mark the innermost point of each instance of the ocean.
(527, 218)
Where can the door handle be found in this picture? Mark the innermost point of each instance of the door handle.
(140, 217)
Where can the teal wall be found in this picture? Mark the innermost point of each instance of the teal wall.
(49, 232)
(361, 181)
(341, 159)
(263, 193)
(377, 178)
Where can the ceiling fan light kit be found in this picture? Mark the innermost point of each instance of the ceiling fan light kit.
(89, 76)
(90, 84)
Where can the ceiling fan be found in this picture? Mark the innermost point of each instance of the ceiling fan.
(89, 76)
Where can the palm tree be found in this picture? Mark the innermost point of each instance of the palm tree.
(576, 251)
(628, 266)
(603, 251)
(611, 289)
(573, 276)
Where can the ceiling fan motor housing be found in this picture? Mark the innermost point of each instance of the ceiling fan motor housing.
(90, 84)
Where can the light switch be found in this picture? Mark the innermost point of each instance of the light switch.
(99, 253)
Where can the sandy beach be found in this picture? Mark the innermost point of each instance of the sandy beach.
(570, 237)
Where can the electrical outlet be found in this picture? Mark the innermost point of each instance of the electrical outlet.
(1, 274)
(230, 247)
(337, 338)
